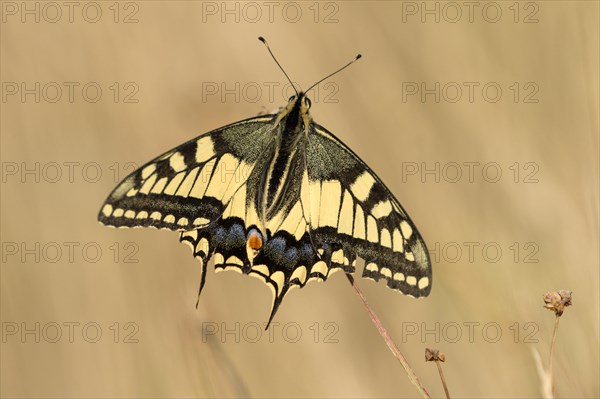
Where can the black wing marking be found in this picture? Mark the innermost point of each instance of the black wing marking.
(352, 213)
(190, 185)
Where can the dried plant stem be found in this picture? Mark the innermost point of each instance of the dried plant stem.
(439, 366)
(388, 340)
(556, 301)
(556, 320)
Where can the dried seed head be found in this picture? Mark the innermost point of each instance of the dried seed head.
(434, 355)
(557, 301)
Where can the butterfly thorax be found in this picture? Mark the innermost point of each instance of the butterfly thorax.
(281, 176)
(295, 111)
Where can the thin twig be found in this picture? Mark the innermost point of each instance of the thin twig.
(434, 355)
(556, 320)
(388, 340)
(439, 366)
(555, 301)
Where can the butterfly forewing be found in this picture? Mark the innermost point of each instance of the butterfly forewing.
(190, 185)
(354, 214)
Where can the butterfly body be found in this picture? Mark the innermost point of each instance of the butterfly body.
(285, 158)
(277, 197)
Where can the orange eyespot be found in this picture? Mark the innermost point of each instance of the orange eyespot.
(255, 240)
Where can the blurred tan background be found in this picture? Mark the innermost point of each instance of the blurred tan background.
(64, 277)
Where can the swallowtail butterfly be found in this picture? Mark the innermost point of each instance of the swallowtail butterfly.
(277, 197)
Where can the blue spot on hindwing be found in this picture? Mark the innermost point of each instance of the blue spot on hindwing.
(236, 232)
(219, 234)
(291, 254)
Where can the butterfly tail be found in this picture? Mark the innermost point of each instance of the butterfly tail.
(199, 242)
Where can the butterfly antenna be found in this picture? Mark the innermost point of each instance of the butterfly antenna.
(333, 73)
(262, 39)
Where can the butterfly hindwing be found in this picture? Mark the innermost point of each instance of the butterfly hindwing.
(190, 185)
(280, 258)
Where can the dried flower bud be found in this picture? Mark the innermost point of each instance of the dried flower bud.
(557, 301)
(434, 355)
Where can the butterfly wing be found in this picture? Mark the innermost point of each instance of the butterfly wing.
(352, 213)
(191, 185)
(199, 189)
